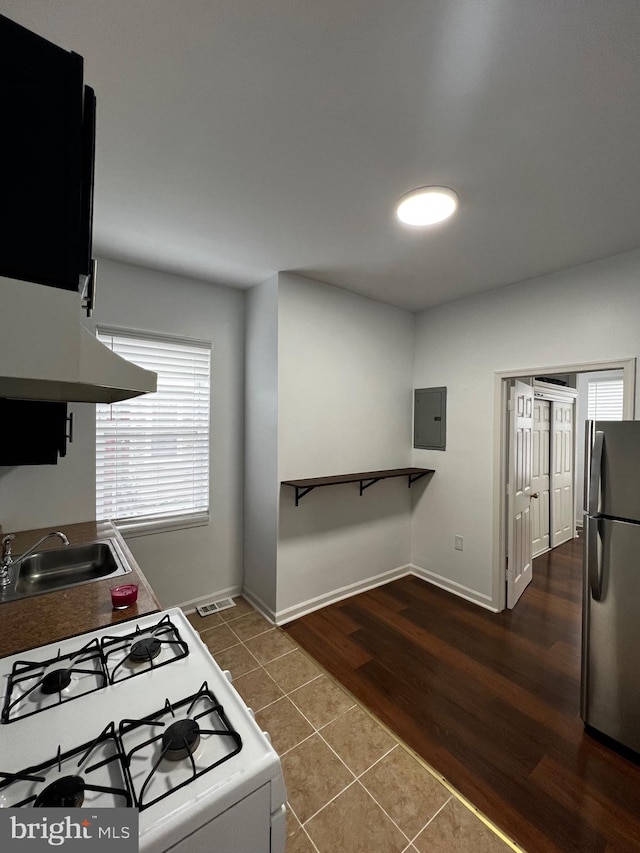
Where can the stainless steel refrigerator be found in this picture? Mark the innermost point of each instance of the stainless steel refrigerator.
(610, 701)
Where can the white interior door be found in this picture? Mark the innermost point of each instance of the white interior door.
(562, 475)
(540, 518)
(519, 559)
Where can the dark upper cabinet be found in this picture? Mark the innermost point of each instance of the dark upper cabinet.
(33, 432)
(47, 145)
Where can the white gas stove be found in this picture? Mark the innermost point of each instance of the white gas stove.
(140, 715)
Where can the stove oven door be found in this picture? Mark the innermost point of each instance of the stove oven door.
(246, 827)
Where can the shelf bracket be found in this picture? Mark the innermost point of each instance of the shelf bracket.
(365, 484)
(413, 477)
(301, 492)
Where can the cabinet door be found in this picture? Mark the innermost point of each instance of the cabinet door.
(33, 432)
(41, 114)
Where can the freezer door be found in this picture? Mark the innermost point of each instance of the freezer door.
(612, 481)
(611, 630)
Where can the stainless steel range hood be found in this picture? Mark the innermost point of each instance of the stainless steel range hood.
(47, 354)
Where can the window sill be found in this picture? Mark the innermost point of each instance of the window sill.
(132, 529)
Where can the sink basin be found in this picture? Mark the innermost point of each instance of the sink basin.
(70, 565)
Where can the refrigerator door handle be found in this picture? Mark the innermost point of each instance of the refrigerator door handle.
(594, 573)
(595, 473)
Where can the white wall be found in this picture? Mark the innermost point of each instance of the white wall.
(181, 565)
(344, 405)
(261, 445)
(586, 314)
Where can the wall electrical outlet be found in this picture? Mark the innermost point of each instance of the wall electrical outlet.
(458, 542)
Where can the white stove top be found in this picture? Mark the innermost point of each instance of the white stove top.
(178, 778)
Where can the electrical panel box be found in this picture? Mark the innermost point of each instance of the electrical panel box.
(430, 418)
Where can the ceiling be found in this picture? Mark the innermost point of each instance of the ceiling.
(238, 138)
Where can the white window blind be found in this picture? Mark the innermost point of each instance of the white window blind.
(604, 399)
(152, 452)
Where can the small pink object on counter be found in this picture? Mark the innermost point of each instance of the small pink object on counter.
(123, 596)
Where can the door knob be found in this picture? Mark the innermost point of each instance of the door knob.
(535, 495)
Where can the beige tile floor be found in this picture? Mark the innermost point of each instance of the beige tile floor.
(352, 786)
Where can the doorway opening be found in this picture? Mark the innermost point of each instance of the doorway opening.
(516, 523)
(555, 443)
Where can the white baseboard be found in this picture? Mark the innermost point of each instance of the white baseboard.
(260, 606)
(291, 613)
(281, 617)
(229, 592)
(456, 588)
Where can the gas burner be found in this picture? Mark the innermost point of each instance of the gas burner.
(92, 775)
(195, 736)
(142, 650)
(145, 650)
(55, 681)
(39, 685)
(180, 740)
(66, 792)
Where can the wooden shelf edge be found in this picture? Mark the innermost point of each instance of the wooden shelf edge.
(365, 478)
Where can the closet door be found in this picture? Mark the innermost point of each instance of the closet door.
(540, 481)
(562, 475)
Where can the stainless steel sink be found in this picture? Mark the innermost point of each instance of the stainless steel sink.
(63, 567)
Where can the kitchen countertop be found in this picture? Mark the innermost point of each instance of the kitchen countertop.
(30, 622)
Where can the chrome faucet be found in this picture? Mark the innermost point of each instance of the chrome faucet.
(7, 561)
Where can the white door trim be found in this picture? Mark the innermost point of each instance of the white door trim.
(500, 398)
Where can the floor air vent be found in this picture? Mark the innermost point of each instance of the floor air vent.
(215, 606)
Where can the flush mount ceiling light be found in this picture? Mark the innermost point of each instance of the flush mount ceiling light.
(426, 206)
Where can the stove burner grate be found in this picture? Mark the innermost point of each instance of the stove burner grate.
(48, 679)
(141, 648)
(69, 790)
(177, 742)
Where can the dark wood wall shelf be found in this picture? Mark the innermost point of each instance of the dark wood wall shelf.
(365, 479)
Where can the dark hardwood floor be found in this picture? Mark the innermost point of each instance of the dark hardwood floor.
(491, 701)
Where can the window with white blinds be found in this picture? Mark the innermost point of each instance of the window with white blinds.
(152, 452)
(604, 399)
